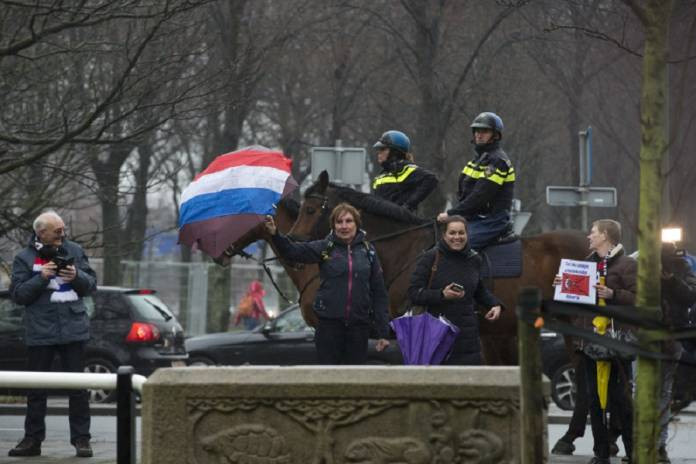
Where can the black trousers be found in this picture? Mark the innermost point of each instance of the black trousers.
(461, 354)
(619, 402)
(578, 421)
(40, 359)
(338, 342)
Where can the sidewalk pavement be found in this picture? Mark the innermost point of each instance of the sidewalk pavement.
(56, 449)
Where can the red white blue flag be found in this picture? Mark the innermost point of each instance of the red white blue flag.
(232, 195)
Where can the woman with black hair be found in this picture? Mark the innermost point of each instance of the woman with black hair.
(447, 281)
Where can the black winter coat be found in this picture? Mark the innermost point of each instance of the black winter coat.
(351, 284)
(46, 322)
(404, 183)
(486, 184)
(678, 294)
(462, 267)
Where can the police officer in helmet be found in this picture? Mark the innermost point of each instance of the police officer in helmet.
(401, 181)
(486, 186)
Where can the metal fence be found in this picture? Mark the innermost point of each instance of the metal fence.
(186, 287)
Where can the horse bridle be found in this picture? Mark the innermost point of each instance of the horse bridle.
(296, 266)
(322, 214)
(315, 232)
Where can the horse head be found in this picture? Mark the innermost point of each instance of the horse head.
(313, 217)
(285, 216)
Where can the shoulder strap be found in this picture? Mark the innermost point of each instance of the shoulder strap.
(370, 250)
(326, 254)
(434, 267)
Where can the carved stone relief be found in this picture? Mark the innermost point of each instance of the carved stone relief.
(355, 431)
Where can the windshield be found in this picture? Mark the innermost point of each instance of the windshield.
(291, 321)
(150, 308)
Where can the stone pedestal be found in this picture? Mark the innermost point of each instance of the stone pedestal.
(349, 414)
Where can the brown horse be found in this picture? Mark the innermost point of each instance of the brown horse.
(304, 276)
(401, 238)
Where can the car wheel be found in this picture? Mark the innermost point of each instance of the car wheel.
(100, 366)
(563, 387)
(200, 361)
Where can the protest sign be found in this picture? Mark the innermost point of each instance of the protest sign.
(578, 280)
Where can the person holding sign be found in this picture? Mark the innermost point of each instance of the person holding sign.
(617, 286)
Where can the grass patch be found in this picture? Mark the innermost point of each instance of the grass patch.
(7, 399)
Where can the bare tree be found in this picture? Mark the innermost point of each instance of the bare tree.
(37, 58)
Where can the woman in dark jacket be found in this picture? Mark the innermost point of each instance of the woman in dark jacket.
(351, 291)
(447, 281)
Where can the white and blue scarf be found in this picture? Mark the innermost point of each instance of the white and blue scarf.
(62, 291)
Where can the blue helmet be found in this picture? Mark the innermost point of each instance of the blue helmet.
(394, 140)
(488, 120)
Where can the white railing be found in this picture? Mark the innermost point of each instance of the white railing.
(65, 380)
(124, 382)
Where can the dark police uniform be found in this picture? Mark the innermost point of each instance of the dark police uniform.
(404, 183)
(486, 187)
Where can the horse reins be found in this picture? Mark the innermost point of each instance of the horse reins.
(418, 256)
(315, 232)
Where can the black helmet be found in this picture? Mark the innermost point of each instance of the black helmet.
(395, 140)
(488, 120)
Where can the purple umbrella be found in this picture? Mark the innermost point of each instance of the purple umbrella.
(423, 338)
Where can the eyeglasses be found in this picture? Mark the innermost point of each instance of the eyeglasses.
(61, 231)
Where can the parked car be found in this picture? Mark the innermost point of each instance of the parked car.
(556, 365)
(285, 340)
(128, 327)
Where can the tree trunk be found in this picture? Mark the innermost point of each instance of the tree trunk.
(656, 16)
(137, 213)
(108, 175)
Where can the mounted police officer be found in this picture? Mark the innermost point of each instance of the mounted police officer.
(486, 186)
(401, 181)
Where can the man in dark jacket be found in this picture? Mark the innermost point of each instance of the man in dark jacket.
(678, 294)
(618, 287)
(49, 278)
(486, 186)
(401, 180)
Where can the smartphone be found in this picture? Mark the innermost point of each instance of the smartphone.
(457, 287)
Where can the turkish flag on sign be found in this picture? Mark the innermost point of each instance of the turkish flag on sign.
(576, 284)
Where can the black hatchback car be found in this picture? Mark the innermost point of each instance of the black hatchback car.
(285, 340)
(128, 327)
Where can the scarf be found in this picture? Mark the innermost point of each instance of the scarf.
(62, 291)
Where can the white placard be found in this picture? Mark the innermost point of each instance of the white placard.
(578, 280)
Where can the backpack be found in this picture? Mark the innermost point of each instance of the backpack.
(245, 308)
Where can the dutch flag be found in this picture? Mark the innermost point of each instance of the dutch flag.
(231, 196)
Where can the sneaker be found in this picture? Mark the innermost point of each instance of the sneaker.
(596, 460)
(662, 457)
(82, 448)
(563, 447)
(27, 447)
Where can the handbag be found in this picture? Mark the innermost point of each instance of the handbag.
(599, 352)
(419, 309)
